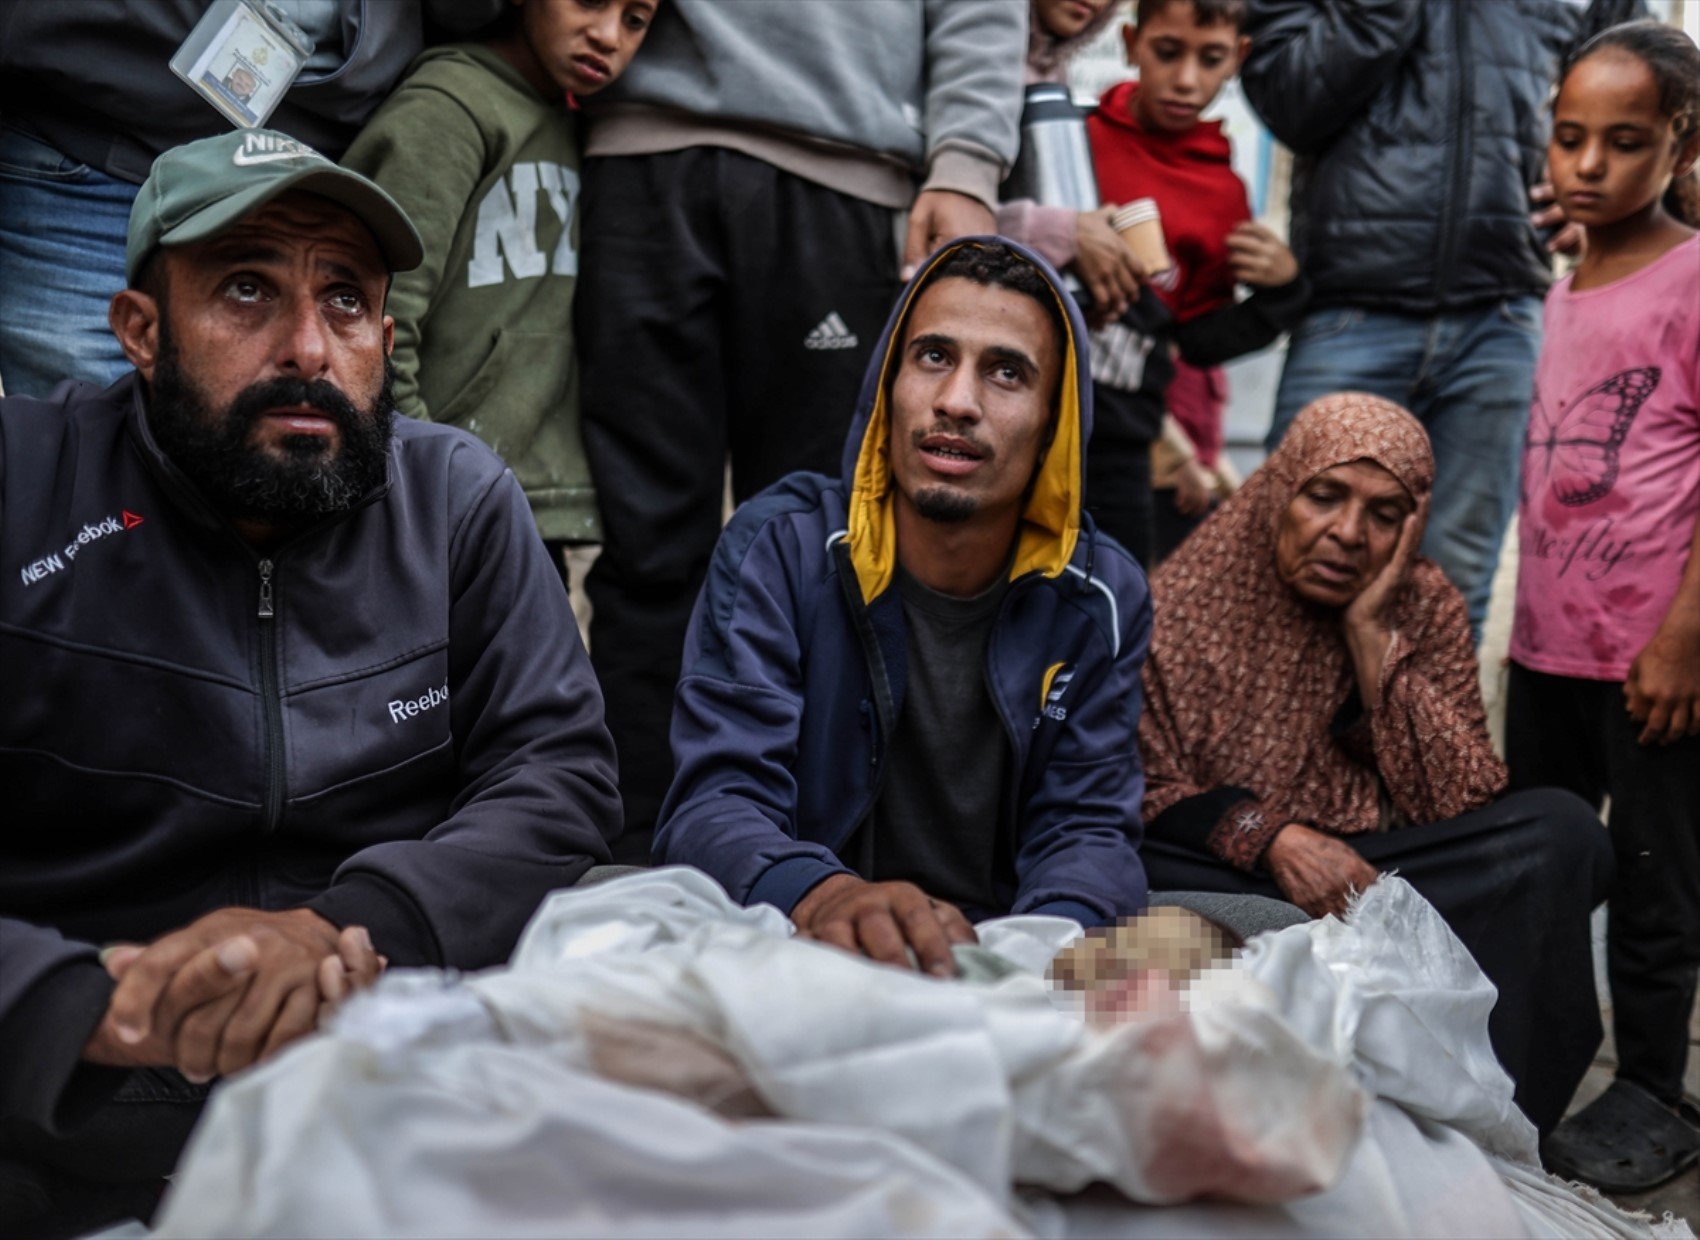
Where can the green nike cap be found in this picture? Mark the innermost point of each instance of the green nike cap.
(197, 190)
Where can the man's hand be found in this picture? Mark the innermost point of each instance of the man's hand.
(219, 976)
(1315, 871)
(1259, 258)
(1570, 238)
(1105, 265)
(880, 920)
(1662, 690)
(228, 990)
(941, 215)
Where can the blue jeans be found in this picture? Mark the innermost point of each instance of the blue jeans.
(1468, 376)
(62, 232)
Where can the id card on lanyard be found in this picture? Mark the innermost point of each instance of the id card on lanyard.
(241, 57)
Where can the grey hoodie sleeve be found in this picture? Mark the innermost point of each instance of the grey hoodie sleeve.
(975, 66)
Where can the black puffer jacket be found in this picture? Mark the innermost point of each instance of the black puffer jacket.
(1419, 127)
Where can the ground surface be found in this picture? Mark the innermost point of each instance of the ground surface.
(1682, 1195)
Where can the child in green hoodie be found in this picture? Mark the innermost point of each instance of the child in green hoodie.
(480, 145)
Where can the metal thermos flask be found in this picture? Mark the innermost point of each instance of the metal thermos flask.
(1054, 166)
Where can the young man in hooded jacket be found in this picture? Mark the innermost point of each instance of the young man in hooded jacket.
(745, 187)
(911, 692)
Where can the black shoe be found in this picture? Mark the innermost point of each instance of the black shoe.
(1624, 1141)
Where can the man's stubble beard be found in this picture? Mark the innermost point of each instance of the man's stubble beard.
(944, 506)
(941, 502)
(244, 481)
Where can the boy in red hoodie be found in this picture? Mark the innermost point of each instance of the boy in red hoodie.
(1148, 142)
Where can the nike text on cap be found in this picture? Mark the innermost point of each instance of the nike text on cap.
(197, 190)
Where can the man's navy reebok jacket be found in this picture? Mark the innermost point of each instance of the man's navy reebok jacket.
(794, 675)
(388, 719)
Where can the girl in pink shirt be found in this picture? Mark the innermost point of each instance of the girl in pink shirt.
(1605, 674)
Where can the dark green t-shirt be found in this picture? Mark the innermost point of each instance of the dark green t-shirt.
(940, 813)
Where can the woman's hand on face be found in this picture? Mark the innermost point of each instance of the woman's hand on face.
(1106, 266)
(1369, 611)
(1315, 871)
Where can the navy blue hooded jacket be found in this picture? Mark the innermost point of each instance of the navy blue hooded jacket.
(794, 674)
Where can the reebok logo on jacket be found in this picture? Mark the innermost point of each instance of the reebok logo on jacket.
(400, 710)
(47, 565)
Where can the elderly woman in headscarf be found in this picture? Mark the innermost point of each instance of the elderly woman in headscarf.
(1313, 718)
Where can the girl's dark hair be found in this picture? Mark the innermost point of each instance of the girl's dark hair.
(1674, 61)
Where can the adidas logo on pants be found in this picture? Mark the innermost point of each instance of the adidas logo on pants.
(831, 333)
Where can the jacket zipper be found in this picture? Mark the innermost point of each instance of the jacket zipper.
(1003, 847)
(273, 702)
(1463, 102)
(880, 687)
(990, 681)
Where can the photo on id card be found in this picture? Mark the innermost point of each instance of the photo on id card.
(246, 68)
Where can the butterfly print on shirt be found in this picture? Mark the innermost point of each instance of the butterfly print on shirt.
(1577, 450)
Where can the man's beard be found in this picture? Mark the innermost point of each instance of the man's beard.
(944, 505)
(245, 481)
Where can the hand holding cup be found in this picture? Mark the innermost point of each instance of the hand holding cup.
(1140, 226)
(1105, 265)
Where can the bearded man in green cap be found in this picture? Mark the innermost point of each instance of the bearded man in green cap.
(288, 688)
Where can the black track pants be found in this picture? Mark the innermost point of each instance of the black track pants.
(725, 309)
(1577, 734)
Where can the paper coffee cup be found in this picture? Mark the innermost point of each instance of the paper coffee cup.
(1141, 226)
